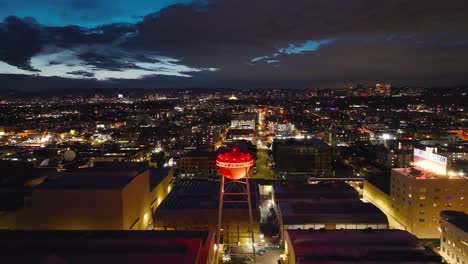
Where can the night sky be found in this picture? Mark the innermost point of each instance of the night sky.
(232, 43)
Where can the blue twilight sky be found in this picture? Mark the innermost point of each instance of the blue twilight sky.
(86, 13)
(232, 43)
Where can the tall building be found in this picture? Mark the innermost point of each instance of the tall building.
(418, 194)
(454, 237)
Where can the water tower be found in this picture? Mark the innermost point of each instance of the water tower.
(234, 166)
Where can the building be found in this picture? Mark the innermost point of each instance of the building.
(302, 158)
(328, 205)
(418, 197)
(399, 158)
(337, 191)
(108, 196)
(418, 194)
(454, 237)
(244, 121)
(383, 89)
(198, 164)
(119, 247)
(356, 246)
(331, 216)
(281, 129)
(193, 205)
(234, 135)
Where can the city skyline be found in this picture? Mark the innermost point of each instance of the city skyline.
(231, 44)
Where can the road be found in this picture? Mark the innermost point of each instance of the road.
(263, 171)
(270, 257)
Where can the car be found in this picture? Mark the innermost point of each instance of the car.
(261, 253)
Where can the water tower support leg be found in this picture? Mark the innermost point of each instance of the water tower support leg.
(220, 213)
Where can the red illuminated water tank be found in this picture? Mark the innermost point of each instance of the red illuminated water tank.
(234, 164)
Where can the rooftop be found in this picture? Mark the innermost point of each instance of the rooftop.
(202, 195)
(102, 246)
(104, 175)
(331, 212)
(458, 219)
(323, 190)
(421, 174)
(307, 143)
(375, 246)
(201, 153)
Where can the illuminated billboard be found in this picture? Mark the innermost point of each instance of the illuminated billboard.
(427, 160)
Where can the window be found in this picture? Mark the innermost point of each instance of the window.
(422, 197)
(421, 220)
(422, 189)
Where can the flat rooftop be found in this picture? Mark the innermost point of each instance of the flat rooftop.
(104, 175)
(456, 218)
(201, 154)
(202, 195)
(297, 213)
(359, 246)
(421, 174)
(103, 246)
(305, 143)
(336, 190)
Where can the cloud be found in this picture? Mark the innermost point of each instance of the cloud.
(311, 45)
(20, 39)
(84, 74)
(105, 63)
(291, 49)
(259, 42)
(229, 34)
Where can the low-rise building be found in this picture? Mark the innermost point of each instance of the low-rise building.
(356, 246)
(193, 205)
(328, 205)
(120, 247)
(108, 196)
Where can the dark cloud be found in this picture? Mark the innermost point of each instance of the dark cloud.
(245, 28)
(101, 61)
(400, 41)
(20, 39)
(82, 73)
(73, 35)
